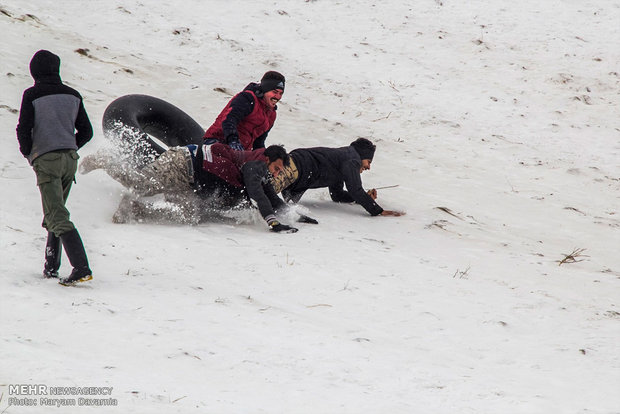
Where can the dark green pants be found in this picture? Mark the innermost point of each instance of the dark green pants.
(55, 173)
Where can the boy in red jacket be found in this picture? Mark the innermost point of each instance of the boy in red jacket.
(246, 120)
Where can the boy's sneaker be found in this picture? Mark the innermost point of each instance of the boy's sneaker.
(76, 276)
(50, 274)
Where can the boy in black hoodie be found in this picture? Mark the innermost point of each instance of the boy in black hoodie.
(333, 168)
(53, 125)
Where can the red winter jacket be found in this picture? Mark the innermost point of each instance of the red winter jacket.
(245, 116)
(224, 162)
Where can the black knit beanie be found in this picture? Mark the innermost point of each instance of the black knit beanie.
(272, 80)
(364, 148)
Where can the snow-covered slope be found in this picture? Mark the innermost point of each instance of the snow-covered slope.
(499, 123)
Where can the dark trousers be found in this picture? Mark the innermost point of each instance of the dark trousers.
(209, 185)
(55, 173)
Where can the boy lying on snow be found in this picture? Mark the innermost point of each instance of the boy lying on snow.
(333, 168)
(214, 171)
(218, 173)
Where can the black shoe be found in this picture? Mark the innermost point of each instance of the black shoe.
(50, 274)
(77, 257)
(76, 276)
(53, 251)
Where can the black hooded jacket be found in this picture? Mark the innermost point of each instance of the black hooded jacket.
(52, 115)
(333, 168)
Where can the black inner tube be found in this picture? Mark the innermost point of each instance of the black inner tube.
(137, 119)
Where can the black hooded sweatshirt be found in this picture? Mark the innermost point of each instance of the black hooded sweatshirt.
(52, 115)
(333, 168)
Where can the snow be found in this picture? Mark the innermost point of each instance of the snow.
(504, 114)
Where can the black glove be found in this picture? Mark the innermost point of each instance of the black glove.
(278, 227)
(234, 143)
(305, 219)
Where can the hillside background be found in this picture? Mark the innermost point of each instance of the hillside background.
(498, 121)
